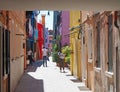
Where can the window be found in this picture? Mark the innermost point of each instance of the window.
(117, 69)
(7, 34)
(0, 55)
(90, 43)
(6, 51)
(110, 41)
(98, 45)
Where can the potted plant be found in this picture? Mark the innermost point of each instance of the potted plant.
(67, 51)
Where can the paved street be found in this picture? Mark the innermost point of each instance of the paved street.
(49, 79)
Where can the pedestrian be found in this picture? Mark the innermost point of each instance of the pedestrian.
(61, 61)
(30, 56)
(45, 56)
(48, 54)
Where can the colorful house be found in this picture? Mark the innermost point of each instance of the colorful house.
(75, 65)
(46, 38)
(13, 45)
(40, 39)
(64, 28)
(100, 48)
(87, 49)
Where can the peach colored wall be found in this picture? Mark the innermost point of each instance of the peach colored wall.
(17, 53)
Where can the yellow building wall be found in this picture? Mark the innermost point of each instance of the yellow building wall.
(75, 45)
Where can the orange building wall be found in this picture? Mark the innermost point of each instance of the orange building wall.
(16, 25)
(17, 52)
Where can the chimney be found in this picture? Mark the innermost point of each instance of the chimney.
(43, 19)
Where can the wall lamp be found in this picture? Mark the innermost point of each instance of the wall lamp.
(48, 12)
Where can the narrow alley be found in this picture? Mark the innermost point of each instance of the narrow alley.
(49, 79)
(84, 43)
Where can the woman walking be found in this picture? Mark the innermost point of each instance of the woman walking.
(61, 61)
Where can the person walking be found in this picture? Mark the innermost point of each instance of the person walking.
(61, 61)
(45, 56)
(30, 56)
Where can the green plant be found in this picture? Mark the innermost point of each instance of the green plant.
(55, 57)
(67, 51)
(67, 59)
(55, 53)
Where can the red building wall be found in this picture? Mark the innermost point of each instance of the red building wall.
(40, 39)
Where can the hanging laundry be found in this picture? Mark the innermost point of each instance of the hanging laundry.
(36, 34)
(30, 29)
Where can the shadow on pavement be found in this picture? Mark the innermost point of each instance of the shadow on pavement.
(75, 80)
(83, 88)
(29, 84)
(37, 63)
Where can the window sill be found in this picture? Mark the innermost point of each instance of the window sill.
(109, 74)
(90, 60)
(97, 69)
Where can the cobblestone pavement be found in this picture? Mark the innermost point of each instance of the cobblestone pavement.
(49, 79)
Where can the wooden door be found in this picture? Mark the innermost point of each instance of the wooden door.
(5, 60)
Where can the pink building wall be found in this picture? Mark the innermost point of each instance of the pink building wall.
(65, 20)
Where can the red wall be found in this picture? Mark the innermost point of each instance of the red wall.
(40, 38)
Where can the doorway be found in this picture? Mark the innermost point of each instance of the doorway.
(4, 59)
(0, 57)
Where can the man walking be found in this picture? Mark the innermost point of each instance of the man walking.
(45, 56)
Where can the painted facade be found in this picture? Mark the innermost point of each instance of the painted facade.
(50, 40)
(65, 20)
(86, 52)
(57, 28)
(102, 55)
(75, 44)
(46, 37)
(99, 49)
(12, 70)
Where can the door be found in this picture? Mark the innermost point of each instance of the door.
(5, 60)
(7, 47)
(117, 71)
(0, 57)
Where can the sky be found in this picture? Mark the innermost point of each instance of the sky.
(48, 19)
